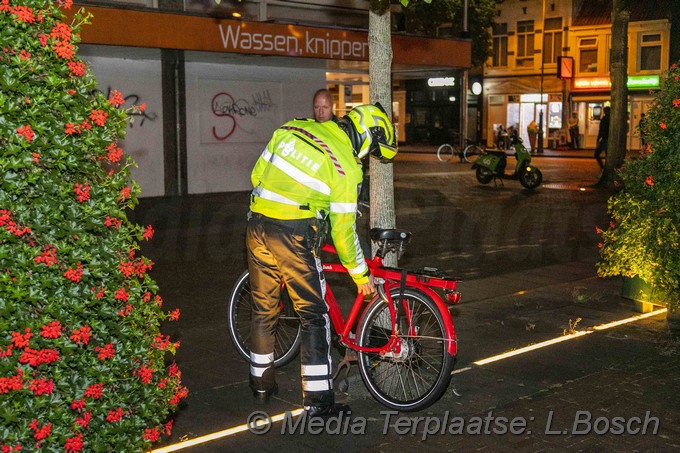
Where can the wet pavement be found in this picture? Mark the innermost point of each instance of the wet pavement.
(526, 260)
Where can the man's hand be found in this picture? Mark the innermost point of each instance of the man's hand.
(367, 288)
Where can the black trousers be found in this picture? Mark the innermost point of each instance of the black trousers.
(599, 149)
(285, 252)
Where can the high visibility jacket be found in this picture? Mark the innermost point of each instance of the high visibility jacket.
(308, 170)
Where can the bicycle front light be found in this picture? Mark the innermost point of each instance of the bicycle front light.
(452, 296)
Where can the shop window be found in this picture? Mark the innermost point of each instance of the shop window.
(650, 52)
(587, 55)
(552, 40)
(500, 45)
(525, 43)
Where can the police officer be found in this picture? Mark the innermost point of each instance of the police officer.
(306, 178)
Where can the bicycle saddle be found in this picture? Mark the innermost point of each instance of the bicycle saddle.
(382, 234)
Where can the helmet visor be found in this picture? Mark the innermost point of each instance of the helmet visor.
(380, 147)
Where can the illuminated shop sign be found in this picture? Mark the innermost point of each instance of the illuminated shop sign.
(650, 81)
(441, 81)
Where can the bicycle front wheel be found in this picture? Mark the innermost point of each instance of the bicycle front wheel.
(472, 153)
(445, 152)
(418, 375)
(288, 330)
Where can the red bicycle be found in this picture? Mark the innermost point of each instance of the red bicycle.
(404, 336)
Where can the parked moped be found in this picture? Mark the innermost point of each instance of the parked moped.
(491, 166)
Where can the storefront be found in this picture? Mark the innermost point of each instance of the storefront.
(433, 110)
(590, 95)
(216, 88)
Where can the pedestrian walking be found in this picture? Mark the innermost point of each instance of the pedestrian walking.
(602, 138)
(305, 182)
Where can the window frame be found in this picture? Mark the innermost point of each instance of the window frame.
(555, 36)
(526, 43)
(589, 48)
(658, 44)
(499, 37)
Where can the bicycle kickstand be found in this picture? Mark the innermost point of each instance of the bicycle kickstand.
(346, 363)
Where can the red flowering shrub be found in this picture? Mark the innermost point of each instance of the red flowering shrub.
(643, 238)
(82, 358)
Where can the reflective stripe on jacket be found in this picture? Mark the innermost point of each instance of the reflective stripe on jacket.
(307, 169)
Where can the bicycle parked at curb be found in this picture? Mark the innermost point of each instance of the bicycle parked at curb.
(403, 337)
(470, 153)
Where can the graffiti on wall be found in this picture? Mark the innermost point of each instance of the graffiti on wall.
(238, 112)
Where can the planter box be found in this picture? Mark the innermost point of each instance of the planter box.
(640, 293)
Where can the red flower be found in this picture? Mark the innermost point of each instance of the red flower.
(142, 107)
(36, 357)
(151, 434)
(146, 297)
(84, 420)
(159, 300)
(99, 117)
(82, 192)
(41, 386)
(148, 232)
(123, 312)
(74, 274)
(174, 315)
(94, 391)
(115, 153)
(24, 14)
(69, 129)
(65, 3)
(51, 330)
(161, 342)
(168, 427)
(26, 132)
(15, 382)
(100, 294)
(107, 352)
(178, 396)
(74, 444)
(116, 415)
(112, 222)
(78, 405)
(173, 370)
(61, 31)
(48, 256)
(43, 39)
(124, 193)
(600, 245)
(77, 68)
(650, 180)
(144, 374)
(662, 125)
(24, 55)
(64, 49)
(40, 432)
(19, 340)
(121, 294)
(116, 99)
(36, 158)
(82, 335)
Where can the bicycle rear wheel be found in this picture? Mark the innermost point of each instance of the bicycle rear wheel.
(419, 374)
(472, 153)
(445, 152)
(288, 330)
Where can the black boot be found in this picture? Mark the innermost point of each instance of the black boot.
(262, 396)
(325, 412)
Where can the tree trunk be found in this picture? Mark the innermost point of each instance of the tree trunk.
(380, 89)
(618, 68)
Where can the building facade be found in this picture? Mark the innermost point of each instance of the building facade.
(537, 41)
(218, 79)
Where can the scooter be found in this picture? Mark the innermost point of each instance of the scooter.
(491, 166)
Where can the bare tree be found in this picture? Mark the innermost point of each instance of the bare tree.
(618, 67)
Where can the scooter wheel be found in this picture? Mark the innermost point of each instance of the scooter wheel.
(484, 175)
(531, 178)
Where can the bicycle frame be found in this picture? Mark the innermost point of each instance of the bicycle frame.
(391, 279)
